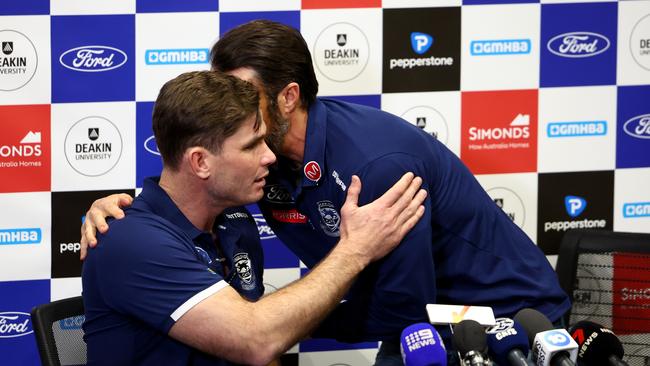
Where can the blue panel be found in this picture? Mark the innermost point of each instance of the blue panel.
(93, 58)
(25, 7)
(578, 44)
(163, 6)
(633, 127)
(17, 341)
(231, 20)
(148, 162)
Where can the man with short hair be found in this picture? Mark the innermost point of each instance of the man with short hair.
(175, 281)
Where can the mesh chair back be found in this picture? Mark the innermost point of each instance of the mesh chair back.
(59, 336)
(607, 276)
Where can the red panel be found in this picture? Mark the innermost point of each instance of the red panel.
(499, 131)
(25, 148)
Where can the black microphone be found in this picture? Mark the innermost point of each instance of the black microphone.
(599, 346)
(508, 343)
(470, 340)
(550, 347)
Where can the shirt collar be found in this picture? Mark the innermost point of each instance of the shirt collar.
(313, 166)
(162, 205)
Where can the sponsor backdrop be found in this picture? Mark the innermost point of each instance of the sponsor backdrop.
(548, 103)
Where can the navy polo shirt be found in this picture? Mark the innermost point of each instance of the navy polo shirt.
(465, 250)
(153, 266)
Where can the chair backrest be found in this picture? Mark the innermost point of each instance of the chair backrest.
(59, 336)
(607, 276)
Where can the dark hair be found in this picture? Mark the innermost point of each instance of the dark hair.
(276, 52)
(201, 108)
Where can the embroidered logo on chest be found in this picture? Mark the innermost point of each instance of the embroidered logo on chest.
(244, 270)
(329, 218)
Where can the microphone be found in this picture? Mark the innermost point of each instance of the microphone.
(550, 347)
(470, 340)
(599, 346)
(421, 345)
(508, 343)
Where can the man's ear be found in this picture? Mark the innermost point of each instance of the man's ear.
(197, 158)
(289, 98)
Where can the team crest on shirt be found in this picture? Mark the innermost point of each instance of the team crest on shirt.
(329, 218)
(244, 270)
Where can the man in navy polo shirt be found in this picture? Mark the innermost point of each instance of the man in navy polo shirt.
(464, 251)
(171, 283)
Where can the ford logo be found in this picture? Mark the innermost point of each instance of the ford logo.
(151, 146)
(93, 58)
(263, 228)
(578, 44)
(15, 324)
(638, 126)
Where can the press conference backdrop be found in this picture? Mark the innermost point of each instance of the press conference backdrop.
(547, 103)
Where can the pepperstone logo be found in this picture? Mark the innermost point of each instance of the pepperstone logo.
(511, 204)
(341, 52)
(421, 50)
(93, 146)
(18, 61)
(93, 58)
(640, 42)
(580, 200)
(430, 120)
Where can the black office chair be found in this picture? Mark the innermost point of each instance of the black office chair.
(607, 276)
(57, 327)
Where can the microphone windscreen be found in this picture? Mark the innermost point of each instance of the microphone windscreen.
(469, 335)
(596, 343)
(505, 336)
(533, 322)
(421, 345)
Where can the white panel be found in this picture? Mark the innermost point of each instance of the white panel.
(30, 42)
(80, 163)
(437, 113)
(63, 288)
(169, 44)
(577, 129)
(633, 64)
(258, 5)
(500, 47)
(632, 200)
(346, 47)
(83, 7)
(331, 358)
(516, 194)
(25, 236)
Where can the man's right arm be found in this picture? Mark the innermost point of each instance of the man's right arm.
(227, 325)
(95, 219)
